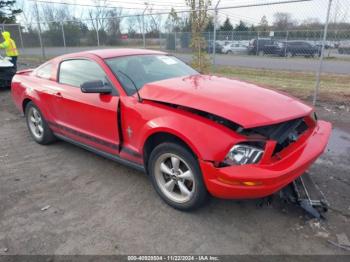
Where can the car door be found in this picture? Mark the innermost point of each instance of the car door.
(307, 49)
(89, 118)
(268, 46)
(301, 49)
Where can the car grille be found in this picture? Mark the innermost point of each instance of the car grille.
(283, 133)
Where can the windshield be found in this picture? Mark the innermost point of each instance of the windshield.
(139, 70)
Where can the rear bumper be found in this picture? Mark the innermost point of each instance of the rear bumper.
(263, 180)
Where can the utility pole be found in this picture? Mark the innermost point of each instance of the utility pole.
(143, 26)
(214, 35)
(20, 35)
(39, 29)
(318, 75)
(97, 34)
(63, 35)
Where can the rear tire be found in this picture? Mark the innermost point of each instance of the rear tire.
(176, 176)
(37, 125)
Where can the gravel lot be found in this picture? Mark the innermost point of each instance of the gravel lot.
(96, 206)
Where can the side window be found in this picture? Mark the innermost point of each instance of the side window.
(44, 71)
(76, 72)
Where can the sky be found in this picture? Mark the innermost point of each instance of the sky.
(315, 9)
(300, 11)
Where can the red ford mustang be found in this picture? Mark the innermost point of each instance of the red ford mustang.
(193, 134)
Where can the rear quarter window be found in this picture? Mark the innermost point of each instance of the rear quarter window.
(44, 71)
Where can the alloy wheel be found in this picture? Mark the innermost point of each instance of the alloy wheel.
(174, 178)
(35, 123)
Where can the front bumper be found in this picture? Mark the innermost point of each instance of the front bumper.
(260, 180)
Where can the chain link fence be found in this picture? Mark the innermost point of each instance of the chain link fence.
(281, 43)
(252, 54)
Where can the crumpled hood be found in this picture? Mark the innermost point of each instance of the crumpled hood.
(246, 104)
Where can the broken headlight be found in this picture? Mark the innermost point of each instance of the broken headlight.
(243, 154)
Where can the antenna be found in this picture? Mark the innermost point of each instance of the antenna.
(133, 83)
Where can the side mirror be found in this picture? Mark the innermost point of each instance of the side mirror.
(97, 86)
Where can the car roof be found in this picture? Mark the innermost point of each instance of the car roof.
(115, 52)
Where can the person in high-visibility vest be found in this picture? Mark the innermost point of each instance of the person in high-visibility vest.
(10, 48)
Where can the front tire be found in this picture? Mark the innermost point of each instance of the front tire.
(37, 125)
(176, 176)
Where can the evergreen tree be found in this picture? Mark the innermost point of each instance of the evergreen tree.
(227, 26)
(241, 27)
(210, 25)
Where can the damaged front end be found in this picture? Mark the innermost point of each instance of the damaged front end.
(284, 134)
(306, 194)
(302, 191)
(267, 160)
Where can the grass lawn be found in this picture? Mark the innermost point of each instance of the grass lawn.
(333, 88)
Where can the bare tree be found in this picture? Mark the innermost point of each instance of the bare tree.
(28, 14)
(98, 15)
(113, 21)
(131, 25)
(172, 21)
(155, 21)
(52, 13)
(199, 19)
(283, 21)
(264, 24)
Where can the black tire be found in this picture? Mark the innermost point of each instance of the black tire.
(229, 52)
(4, 84)
(47, 135)
(199, 195)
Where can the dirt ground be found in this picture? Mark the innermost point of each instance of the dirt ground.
(61, 199)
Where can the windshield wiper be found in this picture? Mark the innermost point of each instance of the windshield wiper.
(133, 83)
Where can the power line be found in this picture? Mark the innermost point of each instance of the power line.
(149, 3)
(189, 11)
(74, 4)
(87, 5)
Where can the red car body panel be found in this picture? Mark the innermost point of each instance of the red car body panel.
(244, 103)
(120, 125)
